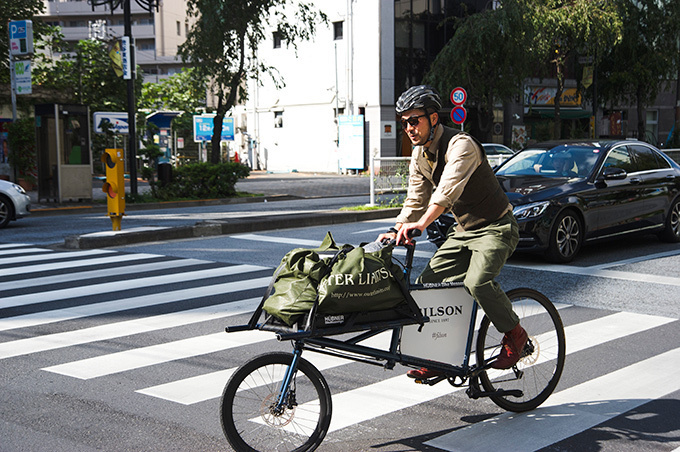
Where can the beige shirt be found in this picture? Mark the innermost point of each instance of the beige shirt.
(462, 160)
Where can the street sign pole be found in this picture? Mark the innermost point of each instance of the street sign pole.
(13, 88)
(132, 148)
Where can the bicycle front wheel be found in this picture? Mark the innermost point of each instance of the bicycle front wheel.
(252, 419)
(538, 371)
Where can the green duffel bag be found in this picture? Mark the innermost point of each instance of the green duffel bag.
(343, 279)
(294, 289)
(362, 281)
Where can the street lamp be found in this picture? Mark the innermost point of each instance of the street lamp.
(147, 5)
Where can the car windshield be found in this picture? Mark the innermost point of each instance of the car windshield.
(560, 161)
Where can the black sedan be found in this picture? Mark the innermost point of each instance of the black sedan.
(568, 193)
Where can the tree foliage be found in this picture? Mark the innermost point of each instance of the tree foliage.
(83, 76)
(565, 29)
(490, 54)
(184, 92)
(223, 41)
(634, 70)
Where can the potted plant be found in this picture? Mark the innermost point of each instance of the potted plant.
(22, 152)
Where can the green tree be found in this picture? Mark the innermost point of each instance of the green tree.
(490, 55)
(16, 10)
(566, 28)
(223, 41)
(84, 76)
(635, 70)
(184, 92)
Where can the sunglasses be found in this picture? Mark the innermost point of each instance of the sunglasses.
(412, 120)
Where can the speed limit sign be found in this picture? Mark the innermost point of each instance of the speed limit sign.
(458, 96)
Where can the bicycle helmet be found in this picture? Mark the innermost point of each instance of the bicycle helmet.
(422, 96)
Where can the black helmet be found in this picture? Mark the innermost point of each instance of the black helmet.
(422, 96)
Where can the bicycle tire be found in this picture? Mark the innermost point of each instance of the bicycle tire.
(247, 421)
(540, 370)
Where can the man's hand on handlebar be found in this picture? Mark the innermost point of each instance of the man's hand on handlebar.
(402, 236)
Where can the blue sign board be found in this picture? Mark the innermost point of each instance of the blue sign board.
(203, 128)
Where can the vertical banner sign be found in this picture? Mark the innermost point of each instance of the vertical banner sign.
(351, 128)
(125, 56)
(22, 72)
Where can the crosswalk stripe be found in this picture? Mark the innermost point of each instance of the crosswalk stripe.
(108, 260)
(209, 386)
(18, 251)
(586, 405)
(119, 285)
(400, 392)
(51, 255)
(102, 273)
(109, 331)
(113, 363)
(122, 304)
(13, 245)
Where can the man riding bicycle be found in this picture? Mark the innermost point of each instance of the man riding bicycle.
(449, 172)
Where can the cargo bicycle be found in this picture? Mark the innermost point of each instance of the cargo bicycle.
(281, 402)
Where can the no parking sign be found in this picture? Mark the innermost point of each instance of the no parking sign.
(458, 114)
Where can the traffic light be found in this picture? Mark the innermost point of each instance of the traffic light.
(114, 187)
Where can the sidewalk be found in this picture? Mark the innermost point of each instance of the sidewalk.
(273, 187)
(276, 185)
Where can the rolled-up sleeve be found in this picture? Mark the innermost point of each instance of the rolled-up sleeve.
(418, 194)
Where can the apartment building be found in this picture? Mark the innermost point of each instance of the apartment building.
(157, 34)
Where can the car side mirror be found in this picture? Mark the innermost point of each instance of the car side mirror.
(613, 173)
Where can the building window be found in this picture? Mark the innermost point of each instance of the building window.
(278, 119)
(276, 36)
(337, 30)
(179, 29)
(146, 45)
(186, 28)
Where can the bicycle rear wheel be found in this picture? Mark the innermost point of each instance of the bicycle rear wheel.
(249, 417)
(537, 373)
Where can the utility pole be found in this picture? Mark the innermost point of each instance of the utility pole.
(147, 5)
(132, 107)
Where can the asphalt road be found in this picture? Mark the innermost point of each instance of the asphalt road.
(123, 348)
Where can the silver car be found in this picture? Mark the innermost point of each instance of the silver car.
(14, 202)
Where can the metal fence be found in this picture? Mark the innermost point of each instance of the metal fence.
(389, 175)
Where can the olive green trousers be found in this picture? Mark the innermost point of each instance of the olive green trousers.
(476, 258)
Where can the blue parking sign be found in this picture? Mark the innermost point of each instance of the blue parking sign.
(203, 128)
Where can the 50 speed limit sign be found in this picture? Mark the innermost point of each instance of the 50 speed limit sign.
(458, 96)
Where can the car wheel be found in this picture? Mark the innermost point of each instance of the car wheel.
(671, 232)
(6, 211)
(566, 238)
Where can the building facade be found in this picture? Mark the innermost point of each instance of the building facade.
(157, 34)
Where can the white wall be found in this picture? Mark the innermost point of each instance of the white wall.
(307, 139)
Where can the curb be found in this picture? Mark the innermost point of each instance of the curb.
(215, 228)
(94, 208)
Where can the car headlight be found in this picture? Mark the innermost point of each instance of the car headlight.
(19, 188)
(532, 210)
